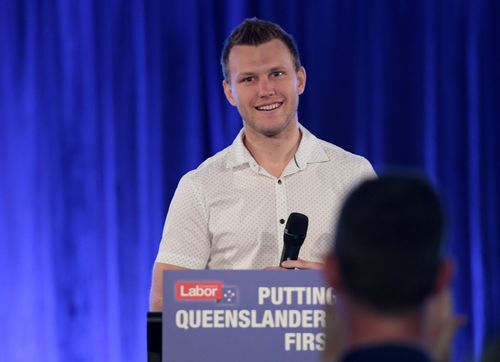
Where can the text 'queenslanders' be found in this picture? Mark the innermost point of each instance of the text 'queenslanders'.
(245, 318)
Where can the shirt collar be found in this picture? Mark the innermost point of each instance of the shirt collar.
(309, 151)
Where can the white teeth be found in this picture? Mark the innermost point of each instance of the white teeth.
(269, 107)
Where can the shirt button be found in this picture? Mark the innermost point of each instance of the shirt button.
(279, 182)
(282, 221)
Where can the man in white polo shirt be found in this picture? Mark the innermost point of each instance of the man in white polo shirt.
(230, 212)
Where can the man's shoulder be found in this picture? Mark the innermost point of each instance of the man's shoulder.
(322, 150)
(340, 164)
(214, 166)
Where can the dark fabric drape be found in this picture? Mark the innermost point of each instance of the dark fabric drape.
(104, 105)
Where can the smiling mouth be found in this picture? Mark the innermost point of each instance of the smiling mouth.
(269, 107)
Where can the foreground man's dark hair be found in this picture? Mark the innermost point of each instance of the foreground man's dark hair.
(389, 242)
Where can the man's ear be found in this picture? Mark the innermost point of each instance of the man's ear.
(228, 92)
(332, 272)
(445, 273)
(301, 80)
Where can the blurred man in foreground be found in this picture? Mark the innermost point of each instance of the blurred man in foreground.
(387, 265)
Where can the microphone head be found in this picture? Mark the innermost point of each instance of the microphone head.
(296, 228)
(294, 235)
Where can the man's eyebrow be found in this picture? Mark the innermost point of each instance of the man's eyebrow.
(277, 69)
(246, 74)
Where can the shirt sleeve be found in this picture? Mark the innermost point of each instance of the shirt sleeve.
(360, 170)
(366, 170)
(185, 241)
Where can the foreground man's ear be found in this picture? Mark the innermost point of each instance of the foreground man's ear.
(445, 273)
(332, 272)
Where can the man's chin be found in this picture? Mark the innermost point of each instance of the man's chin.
(269, 130)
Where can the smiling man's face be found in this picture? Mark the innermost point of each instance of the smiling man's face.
(265, 87)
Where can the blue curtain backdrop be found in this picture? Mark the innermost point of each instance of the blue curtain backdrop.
(105, 104)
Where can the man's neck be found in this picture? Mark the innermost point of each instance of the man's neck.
(366, 327)
(273, 153)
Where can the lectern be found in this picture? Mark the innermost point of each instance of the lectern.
(243, 315)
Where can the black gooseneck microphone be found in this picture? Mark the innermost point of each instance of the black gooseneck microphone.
(294, 235)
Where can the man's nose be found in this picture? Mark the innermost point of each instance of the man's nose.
(266, 88)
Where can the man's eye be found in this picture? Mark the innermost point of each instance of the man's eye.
(247, 79)
(277, 74)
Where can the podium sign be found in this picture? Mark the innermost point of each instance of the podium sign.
(244, 315)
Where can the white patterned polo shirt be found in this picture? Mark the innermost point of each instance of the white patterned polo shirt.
(230, 213)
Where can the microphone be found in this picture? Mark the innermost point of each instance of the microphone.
(294, 235)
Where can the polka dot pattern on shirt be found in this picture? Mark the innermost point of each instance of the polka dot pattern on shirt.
(229, 212)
